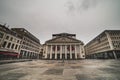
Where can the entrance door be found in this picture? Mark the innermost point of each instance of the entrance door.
(63, 56)
(58, 56)
(48, 56)
(73, 56)
(68, 56)
(53, 56)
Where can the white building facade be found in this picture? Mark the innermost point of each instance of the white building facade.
(105, 46)
(9, 43)
(30, 45)
(63, 46)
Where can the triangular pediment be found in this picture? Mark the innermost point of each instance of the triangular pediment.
(63, 40)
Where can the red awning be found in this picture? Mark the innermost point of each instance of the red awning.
(9, 53)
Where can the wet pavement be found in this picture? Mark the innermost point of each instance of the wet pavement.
(14, 61)
(57, 70)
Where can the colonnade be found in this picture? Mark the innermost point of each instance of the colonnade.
(68, 51)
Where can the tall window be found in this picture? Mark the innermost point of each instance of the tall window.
(17, 41)
(1, 35)
(4, 44)
(16, 46)
(9, 44)
(12, 46)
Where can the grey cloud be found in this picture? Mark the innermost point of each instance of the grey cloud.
(45, 17)
(81, 5)
(70, 6)
(86, 4)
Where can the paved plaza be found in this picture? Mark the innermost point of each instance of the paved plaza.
(57, 70)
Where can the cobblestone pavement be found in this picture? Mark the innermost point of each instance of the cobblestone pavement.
(57, 70)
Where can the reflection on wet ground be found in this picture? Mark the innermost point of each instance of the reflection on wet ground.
(57, 70)
(54, 72)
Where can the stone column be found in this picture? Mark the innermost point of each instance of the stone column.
(80, 54)
(114, 55)
(51, 52)
(46, 51)
(65, 51)
(56, 52)
(26, 56)
(75, 52)
(70, 52)
(61, 52)
(83, 51)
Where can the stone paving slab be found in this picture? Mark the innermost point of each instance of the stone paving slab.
(56, 70)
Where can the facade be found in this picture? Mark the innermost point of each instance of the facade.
(63, 46)
(30, 45)
(9, 43)
(104, 46)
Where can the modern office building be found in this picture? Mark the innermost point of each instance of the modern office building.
(105, 46)
(30, 45)
(9, 43)
(63, 46)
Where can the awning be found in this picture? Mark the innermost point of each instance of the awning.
(9, 53)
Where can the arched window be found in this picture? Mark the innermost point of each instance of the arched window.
(7, 37)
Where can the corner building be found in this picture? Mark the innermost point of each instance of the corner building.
(63, 46)
(9, 43)
(105, 46)
(30, 45)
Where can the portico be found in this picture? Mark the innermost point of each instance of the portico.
(64, 47)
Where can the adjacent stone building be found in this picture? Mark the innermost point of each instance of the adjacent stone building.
(105, 46)
(9, 43)
(30, 45)
(63, 46)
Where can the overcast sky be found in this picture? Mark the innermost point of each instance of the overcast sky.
(85, 18)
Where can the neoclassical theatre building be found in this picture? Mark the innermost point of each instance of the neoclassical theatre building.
(63, 46)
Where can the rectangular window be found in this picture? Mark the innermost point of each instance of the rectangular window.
(12, 46)
(8, 46)
(4, 44)
(17, 41)
(1, 35)
(16, 46)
